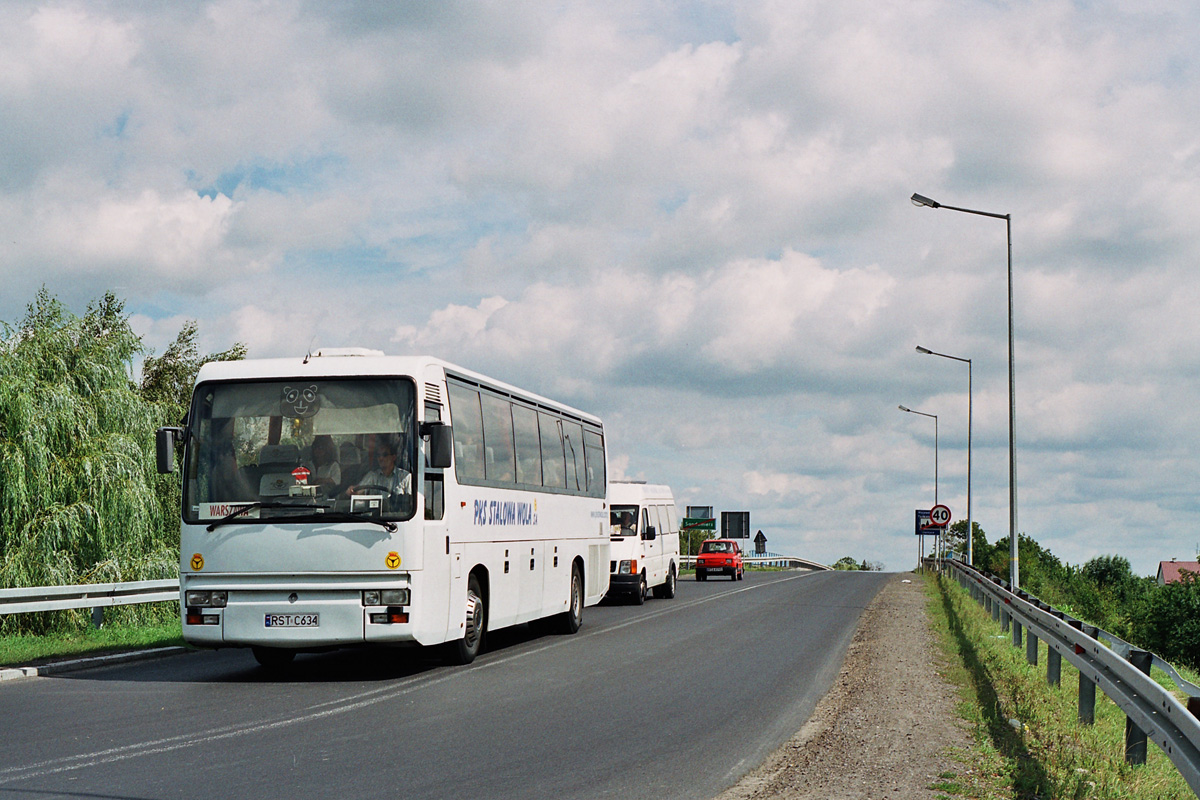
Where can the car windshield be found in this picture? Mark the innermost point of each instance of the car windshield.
(716, 547)
(623, 520)
(298, 449)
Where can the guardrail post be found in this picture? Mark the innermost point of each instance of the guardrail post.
(98, 617)
(1135, 737)
(1016, 631)
(1031, 649)
(1054, 658)
(1087, 687)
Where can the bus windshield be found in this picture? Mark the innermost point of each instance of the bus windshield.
(623, 520)
(300, 449)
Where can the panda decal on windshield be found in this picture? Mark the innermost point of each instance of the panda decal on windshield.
(300, 403)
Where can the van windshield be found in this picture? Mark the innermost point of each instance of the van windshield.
(300, 449)
(623, 520)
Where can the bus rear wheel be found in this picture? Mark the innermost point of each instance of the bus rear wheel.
(571, 620)
(464, 650)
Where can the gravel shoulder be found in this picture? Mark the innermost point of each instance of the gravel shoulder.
(887, 726)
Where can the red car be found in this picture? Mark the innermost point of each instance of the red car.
(719, 556)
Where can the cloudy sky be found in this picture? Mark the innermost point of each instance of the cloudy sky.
(690, 218)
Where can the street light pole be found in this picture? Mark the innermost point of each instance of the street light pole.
(935, 450)
(1014, 568)
(970, 415)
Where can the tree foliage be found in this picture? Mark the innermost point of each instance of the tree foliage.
(167, 379)
(80, 500)
(1106, 593)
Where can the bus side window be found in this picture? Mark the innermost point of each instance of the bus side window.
(573, 448)
(529, 454)
(467, 421)
(435, 497)
(593, 451)
(498, 439)
(554, 471)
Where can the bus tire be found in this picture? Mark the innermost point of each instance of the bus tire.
(274, 659)
(464, 650)
(667, 590)
(571, 620)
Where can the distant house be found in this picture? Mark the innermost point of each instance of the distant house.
(1168, 571)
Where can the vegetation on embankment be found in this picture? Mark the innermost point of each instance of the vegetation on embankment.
(1028, 741)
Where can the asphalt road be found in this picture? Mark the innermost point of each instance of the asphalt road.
(674, 699)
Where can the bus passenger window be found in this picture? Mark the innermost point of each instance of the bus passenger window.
(467, 421)
(498, 438)
(554, 470)
(529, 453)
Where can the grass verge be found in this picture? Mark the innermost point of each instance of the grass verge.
(31, 650)
(1028, 741)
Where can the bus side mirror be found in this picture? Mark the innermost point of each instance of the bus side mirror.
(164, 440)
(650, 533)
(441, 443)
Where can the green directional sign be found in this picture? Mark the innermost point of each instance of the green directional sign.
(698, 524)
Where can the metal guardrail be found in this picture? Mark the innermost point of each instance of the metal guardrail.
(1121, 670)
(96, 596)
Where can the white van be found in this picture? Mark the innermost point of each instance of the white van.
(645, 540)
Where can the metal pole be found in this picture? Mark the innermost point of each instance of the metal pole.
(1014, 561)
(970, 415)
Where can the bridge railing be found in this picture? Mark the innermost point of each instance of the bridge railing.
(1121, 670)
(769, 560)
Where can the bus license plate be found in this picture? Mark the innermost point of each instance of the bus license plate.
(292, 621)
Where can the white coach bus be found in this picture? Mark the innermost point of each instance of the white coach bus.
(645, 540)
(351, 497)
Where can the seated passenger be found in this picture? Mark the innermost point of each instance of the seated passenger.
(328, 471)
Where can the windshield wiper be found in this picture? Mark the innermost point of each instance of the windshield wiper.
(354, 516)
(259, 504)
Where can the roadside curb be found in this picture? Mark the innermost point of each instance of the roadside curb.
(76, 664)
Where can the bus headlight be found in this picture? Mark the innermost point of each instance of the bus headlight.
(386, 597)
(204, 599)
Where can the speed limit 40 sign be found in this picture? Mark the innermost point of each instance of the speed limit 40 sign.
(939, 515)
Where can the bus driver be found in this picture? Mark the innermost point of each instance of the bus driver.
(387, 474)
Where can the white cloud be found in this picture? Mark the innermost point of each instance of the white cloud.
(691, 219)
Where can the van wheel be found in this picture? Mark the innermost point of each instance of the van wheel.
(571, 620)
(667, 590)
(640, 597)
(465, 649)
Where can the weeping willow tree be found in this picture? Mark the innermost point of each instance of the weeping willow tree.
(80, 500)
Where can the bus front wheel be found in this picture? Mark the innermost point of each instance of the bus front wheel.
(464, 650)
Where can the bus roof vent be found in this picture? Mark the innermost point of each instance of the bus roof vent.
(334, 352)
(433, 393)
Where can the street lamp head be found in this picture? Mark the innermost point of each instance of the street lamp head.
(902, 408)
(921, 200)
(924, 350)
